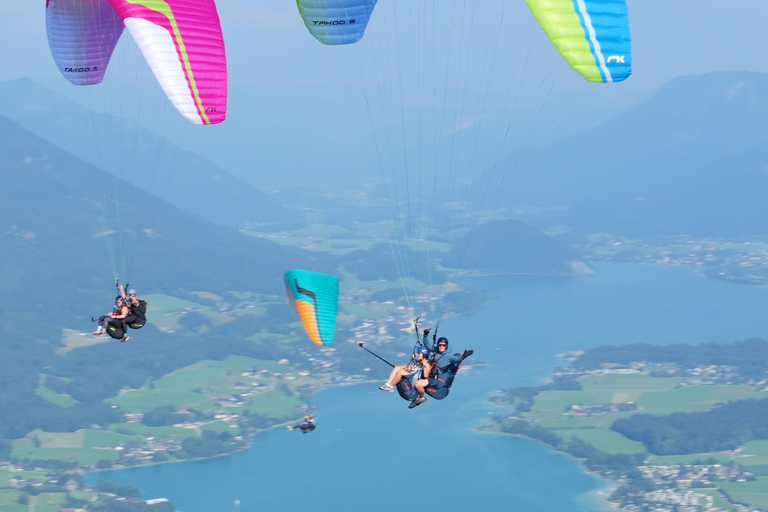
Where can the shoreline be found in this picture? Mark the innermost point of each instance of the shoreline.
(598, 496)
(248, 445)
(605, 483)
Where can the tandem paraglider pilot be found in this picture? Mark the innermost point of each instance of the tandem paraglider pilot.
(137, 317)
(430, 372)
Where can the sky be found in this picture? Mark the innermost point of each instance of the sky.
(269, 47)
(291, 98)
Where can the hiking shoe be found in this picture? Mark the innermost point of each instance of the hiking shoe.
(97, 333)
(387, 387)
(125, 338)
(416, 402)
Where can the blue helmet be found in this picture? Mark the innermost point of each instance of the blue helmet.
(423, 350)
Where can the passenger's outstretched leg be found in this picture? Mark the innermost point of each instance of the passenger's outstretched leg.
(397, 373)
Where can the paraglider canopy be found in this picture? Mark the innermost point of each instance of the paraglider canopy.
(180, 39)
(591, 35)
(335, 22)
(314, 297)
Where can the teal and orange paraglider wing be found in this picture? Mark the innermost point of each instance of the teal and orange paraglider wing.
(314, 296)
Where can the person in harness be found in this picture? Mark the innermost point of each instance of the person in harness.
(308, 425)
(445, 367)
(404, 378)
(137, 318)
(407, 370)
(112, 323)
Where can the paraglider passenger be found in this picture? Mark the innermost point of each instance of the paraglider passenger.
(115, 318)
(421, 362)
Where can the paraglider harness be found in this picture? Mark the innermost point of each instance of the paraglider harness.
(438, 386)
(308, 425)
(137, 321)
(118, 331)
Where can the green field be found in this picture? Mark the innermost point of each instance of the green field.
(48, 502)
(54, 398)
(140, 429)
(164, 311)
(84, 446)
(101, 438)
(605, 440)
(343, 240)
(220, 426)
(755, 493)
(81, 495)
(196, 386)
(9, 503)
(275, 404)
(653, 395)
(757, 469)
(332, 239)
(755, 453)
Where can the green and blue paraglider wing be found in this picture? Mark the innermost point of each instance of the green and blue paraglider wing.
(591, 35)
(336, 21)
(314, 296)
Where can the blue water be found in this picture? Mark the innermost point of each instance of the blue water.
(369, 451)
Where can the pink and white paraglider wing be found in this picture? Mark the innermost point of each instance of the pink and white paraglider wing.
(183, 44)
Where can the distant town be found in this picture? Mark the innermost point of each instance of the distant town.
(740, 261)
(680, 430)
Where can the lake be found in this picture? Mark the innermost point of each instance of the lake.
(369, 451)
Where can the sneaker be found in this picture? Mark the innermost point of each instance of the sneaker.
(125, 338)
(387, 387)
(418, 401)
(97, 333)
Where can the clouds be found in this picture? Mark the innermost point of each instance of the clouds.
(466, 122)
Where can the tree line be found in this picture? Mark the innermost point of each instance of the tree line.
(724, 428)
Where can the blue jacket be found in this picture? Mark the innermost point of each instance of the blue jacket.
(446, 366)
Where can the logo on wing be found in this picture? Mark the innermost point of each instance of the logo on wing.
(618, 58)
(332, 23)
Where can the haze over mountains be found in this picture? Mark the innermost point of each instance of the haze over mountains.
(54, 274)
(50, 208)
(690, 159)
(123, 147)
